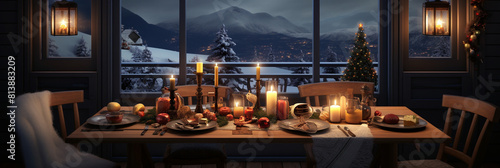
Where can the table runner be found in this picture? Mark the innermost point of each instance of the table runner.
(332, 148)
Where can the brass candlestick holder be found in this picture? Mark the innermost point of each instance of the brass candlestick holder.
(216, 110)
(199, 108)
(172, 98)
(257, 90)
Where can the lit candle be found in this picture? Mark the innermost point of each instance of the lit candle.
(271, 99)
(216, 75)
(342, 107)
(360, 25)
(238, 111)
(199, 67)
(172, 83)
(258, 72)
(439, 27)
(335, 112)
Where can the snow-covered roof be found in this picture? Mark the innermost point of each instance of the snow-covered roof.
(131, 37)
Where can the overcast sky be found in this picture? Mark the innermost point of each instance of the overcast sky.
(297, 11)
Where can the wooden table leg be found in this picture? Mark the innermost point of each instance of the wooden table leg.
(311, 161)
(390, 155)
(147, 160)
(134, 155)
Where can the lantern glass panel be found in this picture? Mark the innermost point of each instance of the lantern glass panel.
(77, 21)
(442, 21)
(420, 26)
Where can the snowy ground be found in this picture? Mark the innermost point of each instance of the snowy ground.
(67, 44)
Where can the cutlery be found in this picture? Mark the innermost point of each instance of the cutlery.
(343, 131)
(163, 132)
(350, 132)
(157, 131)
(145, 130)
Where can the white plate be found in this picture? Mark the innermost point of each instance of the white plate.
(400, 125)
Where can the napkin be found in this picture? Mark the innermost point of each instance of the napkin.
(333, 149)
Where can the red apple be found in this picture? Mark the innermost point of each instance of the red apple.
(223, 111)
(378, 113)
(162, 118)
(229, 117)
(140, 113)
(211, 116)
(263, 122)
(114, 117)
(391, 119)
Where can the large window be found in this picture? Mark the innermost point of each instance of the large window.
(278, 34)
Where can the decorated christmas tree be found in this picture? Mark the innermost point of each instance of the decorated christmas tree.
(359, 65)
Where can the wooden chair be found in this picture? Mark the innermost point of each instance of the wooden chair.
(67, 97)
(195, 155)
(327, 88)
(479, 109)
(189, 91)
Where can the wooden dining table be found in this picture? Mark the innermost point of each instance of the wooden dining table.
(384, 139)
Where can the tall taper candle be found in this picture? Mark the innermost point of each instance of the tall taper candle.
(172, 83)
(258, 72)
(271, 101)
(199, 67)
(216, 75)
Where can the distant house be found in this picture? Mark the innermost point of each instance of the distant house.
(131, 37)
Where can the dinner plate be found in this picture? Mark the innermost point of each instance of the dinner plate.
(421, 124)
(287, 124)
(101, 120)
(173, 125)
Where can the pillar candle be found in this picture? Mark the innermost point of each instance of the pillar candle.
(238, 111)
(335, 113)
(172, 83)
(271, 99)
(283, 109)
(216, 75)
(199, 67)
(342, 107)
(258, 72)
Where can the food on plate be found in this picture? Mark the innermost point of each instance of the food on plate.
(162, 118)
(192, 121)
(378, 113)
(114, 117)
(229, 117)
(199, 115)
(391, 119)
(203, 120)
(211, 116)
(138, 107)
(205, 113)
(410, 120)
(113, 106)
(324, 116)
(223, 111)
(263, 122)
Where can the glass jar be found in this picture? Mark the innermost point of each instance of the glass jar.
(283, 108)
(354, 113)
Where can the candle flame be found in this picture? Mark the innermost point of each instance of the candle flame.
(361, 25)
(63, 23)
(271, 88)
(258, 64)
(335, 102)
(172, 76)
(236, 104)
(215, 64)
(439, 23)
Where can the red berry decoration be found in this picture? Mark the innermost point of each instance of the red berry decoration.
(263, 122)
(391, 119)
(378, 113)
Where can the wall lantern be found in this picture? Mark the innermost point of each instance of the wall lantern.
(64, 18)
(436, 18)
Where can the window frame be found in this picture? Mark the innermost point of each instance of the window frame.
(457, 61)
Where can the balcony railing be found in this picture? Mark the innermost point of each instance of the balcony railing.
(247, 76)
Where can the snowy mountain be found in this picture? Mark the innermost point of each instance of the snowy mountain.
(240, 21)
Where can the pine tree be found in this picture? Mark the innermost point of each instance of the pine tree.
(442, 49)
(53, 48)
(332, 57)
(81, 49)
(359, 65)
(223, 52)
(300, 70)
(272, 57)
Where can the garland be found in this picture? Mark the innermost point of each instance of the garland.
(473, 33)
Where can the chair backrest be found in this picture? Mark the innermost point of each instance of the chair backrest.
(327, 88)
(479, 109)
(189, 91)
(67, 97)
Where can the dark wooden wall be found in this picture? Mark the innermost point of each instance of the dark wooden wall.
(9, 23)
(491, 67)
